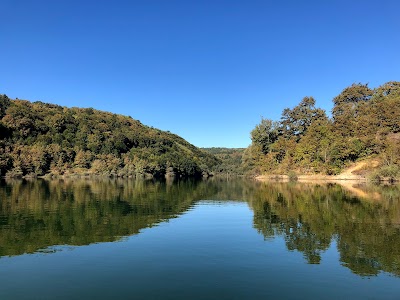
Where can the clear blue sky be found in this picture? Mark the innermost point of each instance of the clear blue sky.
(206, 70)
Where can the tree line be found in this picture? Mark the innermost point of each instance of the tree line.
(365, 123)
(230, 160)
(39, 139)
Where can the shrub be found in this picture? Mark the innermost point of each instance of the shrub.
(374, 177)
(391, 171)
(292, 176)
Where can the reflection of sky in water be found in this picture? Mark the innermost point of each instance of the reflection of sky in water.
(212, 249)
(191, 248)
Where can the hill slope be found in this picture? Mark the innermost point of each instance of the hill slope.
(39, 138)
(231, 160)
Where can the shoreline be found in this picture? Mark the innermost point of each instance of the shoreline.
(341, 178)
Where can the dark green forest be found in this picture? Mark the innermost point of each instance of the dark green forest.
(39, 139)
(365, 124)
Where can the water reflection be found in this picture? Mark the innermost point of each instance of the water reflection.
(310, 216)
(37, 214)
(363, 220)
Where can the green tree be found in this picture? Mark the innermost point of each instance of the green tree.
(314, 150)
(390, 89)
(4, 104)
(265, 134)
(347, 107)
(295, 122)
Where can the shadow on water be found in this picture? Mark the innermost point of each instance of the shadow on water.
(36, 215)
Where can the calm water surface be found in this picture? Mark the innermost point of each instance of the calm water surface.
(215, 239)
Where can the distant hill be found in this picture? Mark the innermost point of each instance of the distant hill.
(40, 138)
(231, 160)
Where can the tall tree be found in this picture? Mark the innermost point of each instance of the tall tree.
(265, 134)
(4, 104)
(390, 89)
(347, 107)
(314, 151)
(294, 122)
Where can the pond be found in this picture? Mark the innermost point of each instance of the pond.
(208, 239)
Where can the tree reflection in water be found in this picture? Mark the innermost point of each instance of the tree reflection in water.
(310, 216)
(363, 220)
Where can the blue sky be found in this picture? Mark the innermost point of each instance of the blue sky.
(205, 70)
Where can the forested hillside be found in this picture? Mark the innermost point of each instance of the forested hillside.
(230, 160)
(38, 139)
(365, 123)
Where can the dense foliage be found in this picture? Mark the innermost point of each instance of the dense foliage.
(365, 123)
(230, 160)
(39, 138)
